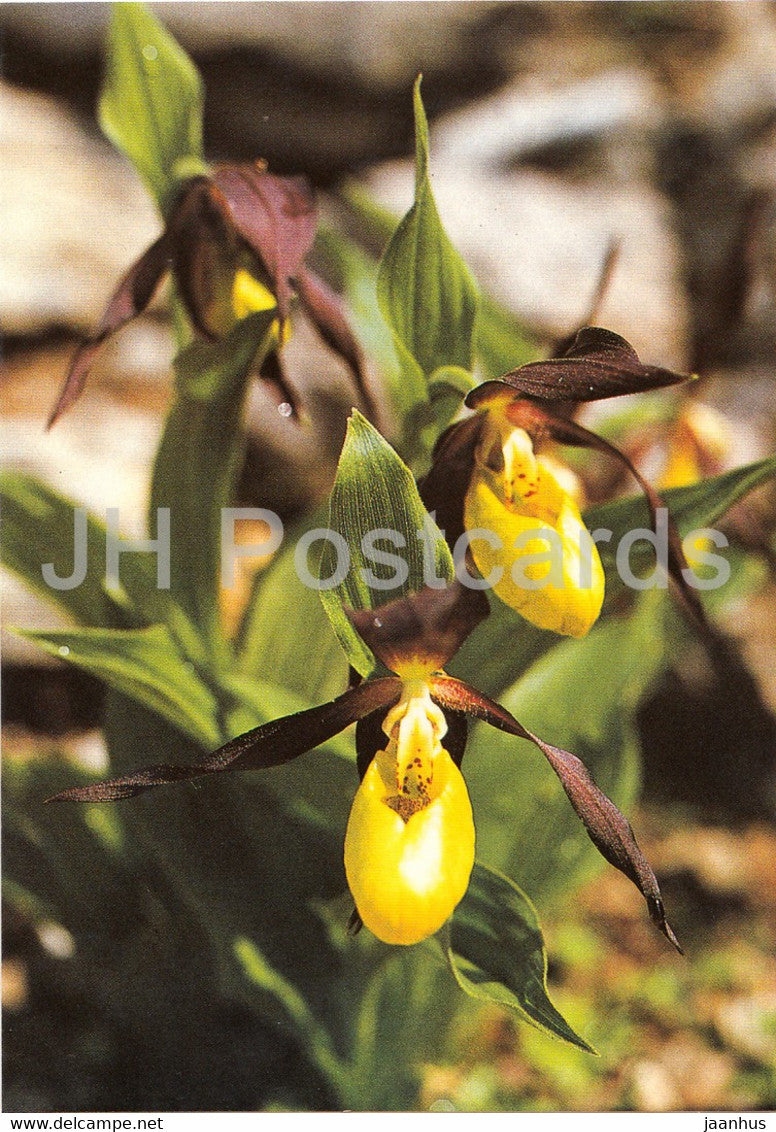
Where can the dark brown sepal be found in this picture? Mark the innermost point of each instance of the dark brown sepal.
(269, 745)
(597, 365)
(443, 489)
(275, 216)
(607, 827)
(327, 313)
(204, 248)
(427, 627)
(130, 299)
(273, 375)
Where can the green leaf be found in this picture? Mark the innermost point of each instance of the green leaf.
(239, 857)
(496, 952)
(500, 650)
(374, 491)
(454, 378)
(694, 507)
(197, 465)
(310, 663)
(151, 101)
(39, 528)
(502, 342)
(424, 289)
(145, 664)
(581, 696)
(295, 1012)
(404, 1011)
(206, 370)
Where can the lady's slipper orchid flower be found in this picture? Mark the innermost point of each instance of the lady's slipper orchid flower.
(236, 243)
(492, 473)
(409, 845)
(543, 561)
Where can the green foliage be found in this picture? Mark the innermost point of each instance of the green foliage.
(226, 895)
(39, 527)
(700, 505)
(426, 293)
(316, 672)
(198, 461)
(581, 696)
(375, 491)
(151, 102)
(145, 664)
(497, 955)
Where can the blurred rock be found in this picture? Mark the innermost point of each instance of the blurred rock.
(74, 217)
(737, 88)
(537, 243)
(377, 44)
(524, 119)
(99, 454)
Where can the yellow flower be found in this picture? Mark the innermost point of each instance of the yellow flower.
(697, 446)
(537, 554)
(409, 845)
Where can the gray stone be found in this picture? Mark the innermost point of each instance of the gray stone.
(75, 215)
(536, 243)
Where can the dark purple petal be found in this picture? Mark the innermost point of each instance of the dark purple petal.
(273, 374)
(608, 829)
(275, 216)
(269, 745)
(204, 249)
(597, 365)
(541, 422)
(429, 626)
(327, 312)
(443, 489)
(130, 298)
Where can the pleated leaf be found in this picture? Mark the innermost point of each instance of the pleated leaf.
(375, 491)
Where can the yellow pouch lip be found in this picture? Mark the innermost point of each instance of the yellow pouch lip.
(407, 877)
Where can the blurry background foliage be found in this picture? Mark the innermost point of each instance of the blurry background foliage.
(187, 950)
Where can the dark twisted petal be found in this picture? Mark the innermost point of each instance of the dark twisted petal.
(608, 829)
(130, 298)
(204, 249)
(541, 422)
(598, 364)
(327, 312)
(427, 627)
(275, 216)
(269, 745)
(443, 488)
